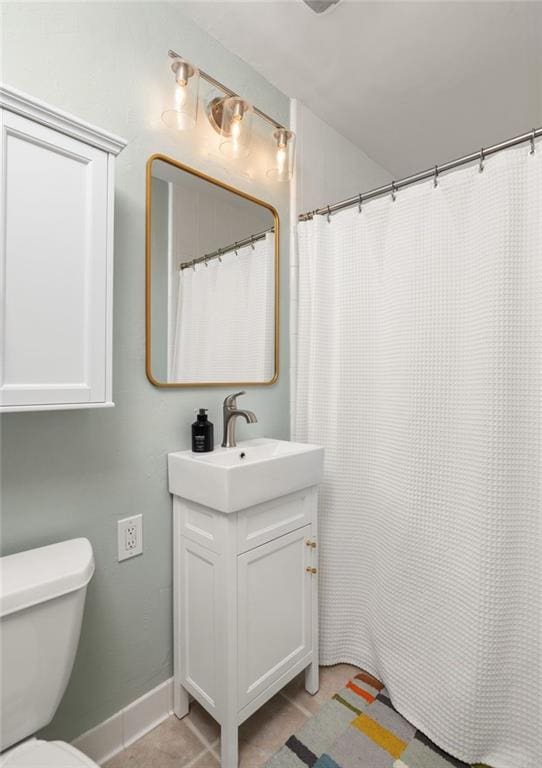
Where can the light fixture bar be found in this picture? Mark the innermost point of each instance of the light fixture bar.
(221, 87)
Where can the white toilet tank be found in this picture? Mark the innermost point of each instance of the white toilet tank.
(42, 596)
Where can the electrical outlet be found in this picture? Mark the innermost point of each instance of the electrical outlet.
(130, 537)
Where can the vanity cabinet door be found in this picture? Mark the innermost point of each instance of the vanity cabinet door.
(274, 611)
(56, 210)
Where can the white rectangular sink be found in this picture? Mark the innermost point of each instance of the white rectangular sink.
(230, 479)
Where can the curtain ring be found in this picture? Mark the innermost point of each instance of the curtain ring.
(328, 214)
(482, 158)
(205, 261)
(435, 177)
(236, 249)
(532, 151)
(252, 242)
(393, 191)
(193, 267)
(359, 204)
(220, 255)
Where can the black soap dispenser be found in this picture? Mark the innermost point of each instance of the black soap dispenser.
(202, 433)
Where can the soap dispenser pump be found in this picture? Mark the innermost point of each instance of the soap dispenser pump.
(202, 433)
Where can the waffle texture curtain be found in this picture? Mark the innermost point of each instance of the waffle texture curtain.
(419, 370)
(225, 329)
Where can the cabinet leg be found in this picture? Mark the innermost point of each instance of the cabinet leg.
(180, 701)
(312, 678)
(229, 737)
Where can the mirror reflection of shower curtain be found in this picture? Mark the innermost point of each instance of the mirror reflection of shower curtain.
(225, 327)
(419, 369)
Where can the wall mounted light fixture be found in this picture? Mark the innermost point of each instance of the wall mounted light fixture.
(230, 115)
(184, 113)
(283, 167)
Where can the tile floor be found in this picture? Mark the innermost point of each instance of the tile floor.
(194, 741)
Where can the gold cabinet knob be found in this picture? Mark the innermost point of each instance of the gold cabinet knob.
(311, 544)
(309, 569)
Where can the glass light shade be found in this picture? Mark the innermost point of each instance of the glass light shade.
(184, 112)
(282, 167)
(236, 127)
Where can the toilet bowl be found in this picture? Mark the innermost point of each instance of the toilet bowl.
(42, 596)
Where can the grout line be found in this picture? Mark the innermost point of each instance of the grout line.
(195, 759)
(296, 704)
(194, 728)
(213, 751)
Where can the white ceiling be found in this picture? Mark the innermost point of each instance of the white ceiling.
(411, 83)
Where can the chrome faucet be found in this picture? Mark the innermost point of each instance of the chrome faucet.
(231, 412)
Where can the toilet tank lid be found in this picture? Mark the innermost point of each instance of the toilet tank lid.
(32, 577)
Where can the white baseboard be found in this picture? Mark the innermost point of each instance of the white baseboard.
(123, 728)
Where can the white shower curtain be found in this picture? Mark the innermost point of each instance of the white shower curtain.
(419, 370)
(225, 328)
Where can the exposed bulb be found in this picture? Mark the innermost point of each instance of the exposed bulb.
(282, 167)
(234, 123)
(184, 108)
(235, 133)
(281, 159)
(180, 95)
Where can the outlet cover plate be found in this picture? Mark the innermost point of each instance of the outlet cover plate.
(130, 537)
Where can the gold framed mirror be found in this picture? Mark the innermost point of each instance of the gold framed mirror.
(212, 281)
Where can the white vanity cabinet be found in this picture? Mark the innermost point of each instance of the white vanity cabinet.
(56, 266)
(246, 606)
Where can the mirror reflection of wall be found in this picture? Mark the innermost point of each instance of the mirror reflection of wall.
(212, 266)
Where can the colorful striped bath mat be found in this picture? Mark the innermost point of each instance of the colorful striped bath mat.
(359, 728)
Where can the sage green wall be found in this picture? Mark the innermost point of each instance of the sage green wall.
(75, 473)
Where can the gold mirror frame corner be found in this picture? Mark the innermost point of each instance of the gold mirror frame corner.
(148, 345)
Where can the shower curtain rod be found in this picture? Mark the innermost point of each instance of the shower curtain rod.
(250, 240)
(428, 174)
